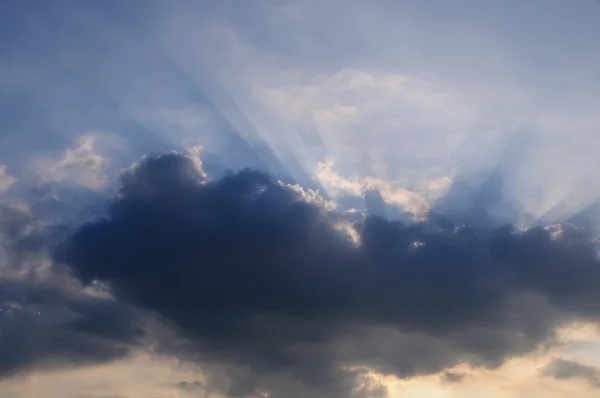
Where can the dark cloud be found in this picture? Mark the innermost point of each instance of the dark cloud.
(43, 327)
(46, 319)
(562, 369)
(257, 278)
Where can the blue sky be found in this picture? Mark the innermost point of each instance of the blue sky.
(484, 111)
(429, 89)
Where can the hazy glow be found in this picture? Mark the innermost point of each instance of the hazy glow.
(337, 99)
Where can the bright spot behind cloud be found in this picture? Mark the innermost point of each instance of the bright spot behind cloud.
(415, 202)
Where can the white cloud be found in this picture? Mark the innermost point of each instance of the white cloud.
(6, 180)
(194, 154)
(311, 196)
(79, 165)
(416, 202)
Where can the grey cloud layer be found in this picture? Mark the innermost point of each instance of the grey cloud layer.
(50, 330)
(255, 276)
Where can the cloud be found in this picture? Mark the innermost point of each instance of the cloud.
(139, 375)
(311, 196)
(5, 179)
(417, 122)
(23, 241)
(424, 91)
(194, 154)
(452, 377)
(100, 396)
(78, 165)
(417, 203)
(47, 319)
(261, 281)
(49, 329)
(562, 369)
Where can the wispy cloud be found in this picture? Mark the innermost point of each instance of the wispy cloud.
(417, 202)
(78, 165)
(6, 180)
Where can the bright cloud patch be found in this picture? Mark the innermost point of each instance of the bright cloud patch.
(78, 165)
(194, 153)
(415, 202)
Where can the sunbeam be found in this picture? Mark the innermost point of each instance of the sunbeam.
(299, 199)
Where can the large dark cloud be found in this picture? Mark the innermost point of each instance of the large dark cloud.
(255, 277)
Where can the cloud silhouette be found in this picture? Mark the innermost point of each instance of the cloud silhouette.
(255, 275)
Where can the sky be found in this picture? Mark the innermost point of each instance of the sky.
(299, 198)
